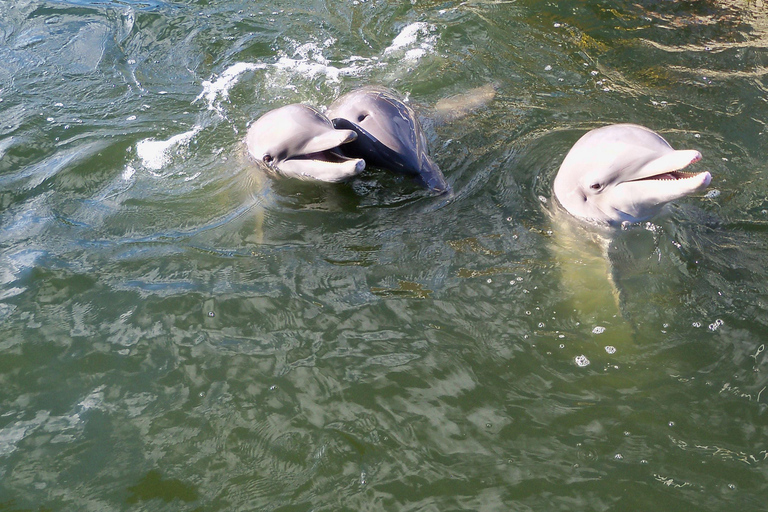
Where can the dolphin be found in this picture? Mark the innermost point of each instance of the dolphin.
(388, 135)
(624, 173)
(300, 142)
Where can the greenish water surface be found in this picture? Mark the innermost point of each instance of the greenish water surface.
(180, 332)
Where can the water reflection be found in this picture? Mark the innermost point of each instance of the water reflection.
(195, 335)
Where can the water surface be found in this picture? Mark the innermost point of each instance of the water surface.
(181, 332)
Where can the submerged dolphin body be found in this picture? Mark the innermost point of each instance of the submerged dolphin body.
(298, 141)
(388, 135)
(624, 173)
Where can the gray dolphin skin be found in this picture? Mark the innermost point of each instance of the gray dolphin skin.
(298, 141)
(388, 135)
(624, 173)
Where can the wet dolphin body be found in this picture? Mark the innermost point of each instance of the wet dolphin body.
(298, 141)
(624, 173)
(388, 135)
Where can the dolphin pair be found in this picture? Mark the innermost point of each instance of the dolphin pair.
(624, 173)
(369, 126)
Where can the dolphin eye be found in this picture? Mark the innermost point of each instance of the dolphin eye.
(267, 158)
(595, 186)
(361, 118)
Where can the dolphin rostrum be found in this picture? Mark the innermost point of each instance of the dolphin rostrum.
(388, 134)
(624, 173)
(298, 141)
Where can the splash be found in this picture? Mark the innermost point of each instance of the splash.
(219, 88)
(407, 41)
(155, 154)
(306, 62)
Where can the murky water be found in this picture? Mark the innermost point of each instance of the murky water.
(182, 333)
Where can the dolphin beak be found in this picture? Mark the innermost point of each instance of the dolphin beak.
(669, 168)
(333, 171)
(320, 158)
(329, 140)
(660, 181)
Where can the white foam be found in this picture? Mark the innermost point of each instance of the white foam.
(155, 154)
(306, 60)
(408, 40)
(221, 86)
(128, 172)
(314, 69)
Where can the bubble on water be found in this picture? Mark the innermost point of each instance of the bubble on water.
(547, 68)
(712, 194)
(598, 329)
(582, 361)
(696, 324)
(618, 456)
(130, 118)
(716, 325)
(671, 423)
(610, 349)
(211, 314)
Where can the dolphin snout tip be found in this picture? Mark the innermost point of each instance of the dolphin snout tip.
(696, 157)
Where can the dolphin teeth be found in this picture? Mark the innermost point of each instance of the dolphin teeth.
(329, 156)
(671, 176)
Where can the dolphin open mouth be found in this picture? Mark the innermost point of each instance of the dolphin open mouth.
(669, 168)
(671, 176)
(325, 165)
(329, 156)
(322, 159)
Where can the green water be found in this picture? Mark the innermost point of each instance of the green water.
(180, 332)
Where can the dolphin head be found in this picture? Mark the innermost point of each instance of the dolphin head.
(298, 141)
(624, 173)
(389, 134)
